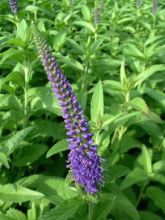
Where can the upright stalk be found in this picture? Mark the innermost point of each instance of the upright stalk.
(141, 193)
(26, 78)
(90, 211)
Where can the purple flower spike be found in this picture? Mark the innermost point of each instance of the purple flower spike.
(83, 160)
(96, 13)
(13, 6)
(154, 7)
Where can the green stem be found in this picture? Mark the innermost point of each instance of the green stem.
(26, 72)
(35, 15)
(127, 97)
(141, 193)
(90, 211)
(97, 137)
(86, 69)
(16, 20)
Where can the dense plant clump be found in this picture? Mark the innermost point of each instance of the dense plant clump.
(102, 99)
(83, 159)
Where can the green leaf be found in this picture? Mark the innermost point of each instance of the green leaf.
(128, 142)
(57, 189)
(146, 215)
(139, 104)
(96, 45)
(160, 178)
(149, 72)
(14, 142)
(124, 207)
(82, 98)
(112, 85)
(81, 213)
(57, 148)
(159, 166)
(76, 48)
(117, 171)
(104, 64)
(9, 102)
(59, 40)
(157, 95)
(16, 214)
(126, 118)
(43, 98)
(11, 119)
(29, 154)
(135, 176)
(46, 128)
(104, 143)
(86, 12)
(11, 54)
(85, 24)
(108, 119)
(31, 181)
(104, 206)
(157, 195)
(32, 212)
(15, 77)
(72, 64)
(63, 211)
(4, 160)
(16, 41)
(123, 77)
(132, 50)
(4, 217)
(32, 8)
(151, 128)
(22, 30)
(17, 194)
(146, 160)
(97, 103)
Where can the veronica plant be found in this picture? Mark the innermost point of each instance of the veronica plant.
(83, 161)
(13, 6)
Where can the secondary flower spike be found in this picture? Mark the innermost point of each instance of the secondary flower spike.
(13, 6)
(83, 160)
(138, 3)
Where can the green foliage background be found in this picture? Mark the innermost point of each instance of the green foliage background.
(116, 64)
